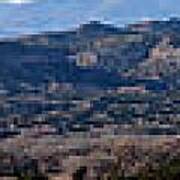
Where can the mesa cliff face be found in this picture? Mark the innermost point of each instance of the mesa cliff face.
(117, 53)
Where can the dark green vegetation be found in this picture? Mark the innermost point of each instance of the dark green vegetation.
(165, 171)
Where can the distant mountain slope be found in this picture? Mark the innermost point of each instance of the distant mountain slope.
(119, 51)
